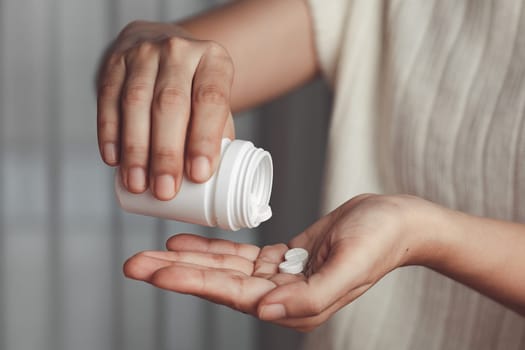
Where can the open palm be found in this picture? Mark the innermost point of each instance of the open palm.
(350, 249)
(225, 272)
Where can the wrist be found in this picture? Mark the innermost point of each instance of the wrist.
(427, 232)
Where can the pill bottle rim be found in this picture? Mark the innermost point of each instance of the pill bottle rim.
(244, 176)
(259, 188)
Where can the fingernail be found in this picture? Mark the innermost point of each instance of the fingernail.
(137, 179)
(164, 187)
(110, 153)
(200, 169)
(273, 312)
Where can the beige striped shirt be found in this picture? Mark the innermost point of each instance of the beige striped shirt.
(429, 100)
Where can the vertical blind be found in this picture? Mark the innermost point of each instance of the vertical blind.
(63, 239)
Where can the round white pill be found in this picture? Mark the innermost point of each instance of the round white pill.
(296, 254)
(292, 267)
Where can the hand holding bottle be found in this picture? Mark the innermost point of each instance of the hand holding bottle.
(163, 107)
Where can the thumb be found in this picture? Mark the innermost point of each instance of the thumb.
(335, 278)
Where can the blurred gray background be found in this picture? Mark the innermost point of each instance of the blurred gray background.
(62, 237)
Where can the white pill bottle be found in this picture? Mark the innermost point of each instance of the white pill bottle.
(236, 196)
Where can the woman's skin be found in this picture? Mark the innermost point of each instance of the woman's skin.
(350, 250)
(165, 93)
(165, 96)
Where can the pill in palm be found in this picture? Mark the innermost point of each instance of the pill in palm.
(296, 254)
(292, 267)
(295, 261)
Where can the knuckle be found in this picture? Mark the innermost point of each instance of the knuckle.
(171, 96)
(145, 49)
(220, 56)
(109, 89)
(313, 306)
(211, 93)
(109, 80)
(167, 155)
(238, 302)
(136, 150)
(176, 43)
(114, 61)
(108, 127)
(140, 55)
(136, 93)
(218, 259)
(206, 145)
(237, 248)
(213, 48)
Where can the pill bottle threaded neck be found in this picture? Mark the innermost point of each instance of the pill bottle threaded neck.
(252, 191)
(243, 186)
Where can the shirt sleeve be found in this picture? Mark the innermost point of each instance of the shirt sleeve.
(329, 23)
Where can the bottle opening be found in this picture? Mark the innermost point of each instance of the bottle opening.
(260, 191)
(243, 186)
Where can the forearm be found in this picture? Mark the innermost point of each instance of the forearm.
(485, 254)
(270, 42)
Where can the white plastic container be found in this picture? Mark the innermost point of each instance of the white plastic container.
(236, 196)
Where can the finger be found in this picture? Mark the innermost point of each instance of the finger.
(216, 261)
(142, 267)
(189, 242)
(307, 324)
(170, 116)
(210, 111)
(108, 108)
(137, 95)
(341, 272)
(229, 129)
(220, 286)
(267, 263)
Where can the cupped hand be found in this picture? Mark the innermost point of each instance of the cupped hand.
(163, 107)
(350, 249)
